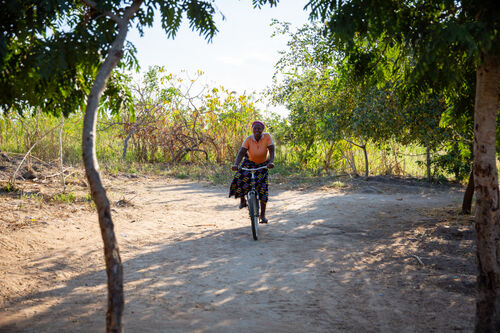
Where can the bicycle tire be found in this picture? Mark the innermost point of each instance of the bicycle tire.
(253, 210)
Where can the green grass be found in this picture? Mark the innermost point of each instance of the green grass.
(8, 188)
(222, 174)
(337, 184)
(17, 135)
(68, 197)
(182, 176)
(32, 196)
(87, 198)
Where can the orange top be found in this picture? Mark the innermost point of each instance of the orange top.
(257, 150)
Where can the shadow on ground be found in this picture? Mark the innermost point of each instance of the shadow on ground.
(321, 266)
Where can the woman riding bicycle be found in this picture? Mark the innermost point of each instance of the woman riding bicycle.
(254, 149)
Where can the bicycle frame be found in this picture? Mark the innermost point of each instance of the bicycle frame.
(253, 202)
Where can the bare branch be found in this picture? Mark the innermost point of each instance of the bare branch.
(356, 144)
(13, 178)
(418, 259)
(33, 157)
(109, 125)
(59, 173)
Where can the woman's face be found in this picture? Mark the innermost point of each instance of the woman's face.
(257, 131)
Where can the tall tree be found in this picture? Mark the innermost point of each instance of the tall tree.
(114, 266)
(333, 96)
(440, 34)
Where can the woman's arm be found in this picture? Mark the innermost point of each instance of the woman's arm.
(270, 164)
(240, 155)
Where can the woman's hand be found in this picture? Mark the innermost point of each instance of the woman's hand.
(270, 165)
(234, 167)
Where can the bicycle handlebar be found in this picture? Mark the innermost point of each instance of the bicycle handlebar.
(262, 167)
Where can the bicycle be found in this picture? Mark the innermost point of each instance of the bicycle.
(253, 203)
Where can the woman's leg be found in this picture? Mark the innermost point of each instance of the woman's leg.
(263, 211)
(243, 202)
(241, 184)
(263, 194)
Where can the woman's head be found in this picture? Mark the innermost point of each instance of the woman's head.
(258, 128)
(258, 123)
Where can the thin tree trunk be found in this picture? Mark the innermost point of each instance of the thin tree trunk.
(469, 194)
(347, 159)
(61, 154)
(328, 157)
(353, 162)
(486, 188)
(125, 144)
(428, 163)
(362, 146)
(112, 258)
(366, 160)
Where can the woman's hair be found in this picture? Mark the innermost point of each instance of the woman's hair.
(260, 123)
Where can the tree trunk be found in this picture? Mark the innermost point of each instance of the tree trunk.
(114, 267)
(362, 146)
(366, 160)
(61, 154)
(486, 188)
(428, 163)
(125, 143)
(353, 162)
(468, 195)
(328, 158)
(346, 157)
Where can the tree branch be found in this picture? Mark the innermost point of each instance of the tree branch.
(356, 144)
(132, 9)
(109, 14)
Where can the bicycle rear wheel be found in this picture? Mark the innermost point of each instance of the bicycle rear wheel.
(253, 209)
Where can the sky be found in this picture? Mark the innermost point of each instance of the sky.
(240, 57)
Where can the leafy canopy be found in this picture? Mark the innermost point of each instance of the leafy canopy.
(439, 35)
(50, 51)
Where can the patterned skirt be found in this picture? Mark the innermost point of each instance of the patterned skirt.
(242, 181)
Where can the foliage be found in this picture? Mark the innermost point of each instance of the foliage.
(443, 41)
(389, 158)
(335, 95)
(68, 197)
(171, 123)
(439, 35)
(18, 134)
(9, 187)
(41, 60)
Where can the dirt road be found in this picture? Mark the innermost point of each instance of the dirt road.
(328, 261)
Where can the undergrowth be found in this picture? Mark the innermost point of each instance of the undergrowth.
(64, 197)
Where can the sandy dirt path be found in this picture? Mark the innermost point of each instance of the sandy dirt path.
(328, 261)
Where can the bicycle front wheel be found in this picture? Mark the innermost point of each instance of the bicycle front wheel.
(253, 209)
